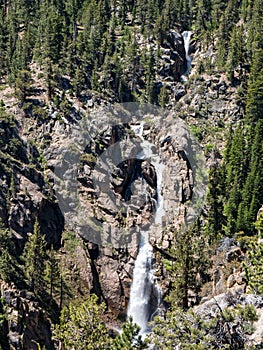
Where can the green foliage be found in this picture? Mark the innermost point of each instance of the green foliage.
(57, 284)
(52, 274)
(227, 329)
(244, 175)
(197, 132)
(9, 269)
(185, 265)
(235, 54)
(23, 85)
(34, 257)
(70, 241)
(253, 265)
(113, 47)
(129, 338)
(96, 43)
(163, 97)
(184, 329)
(215, 218)
(244, 241)
(82, 327)
(254, 105)
(3, 312)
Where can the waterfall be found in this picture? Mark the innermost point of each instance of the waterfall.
(187, 36)
(145, 295)
(142, 285)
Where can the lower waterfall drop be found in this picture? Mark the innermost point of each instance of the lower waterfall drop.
(140, 307)
(145, 294)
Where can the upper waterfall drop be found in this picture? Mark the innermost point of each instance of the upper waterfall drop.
(187, 36)
(144, 290)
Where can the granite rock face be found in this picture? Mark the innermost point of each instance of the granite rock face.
(27, 324)
(112, 202)
(121, 199)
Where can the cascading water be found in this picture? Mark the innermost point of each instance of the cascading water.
(187, 36)
(144, 285)
(143, 282)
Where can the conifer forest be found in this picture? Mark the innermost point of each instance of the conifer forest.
(131, 174)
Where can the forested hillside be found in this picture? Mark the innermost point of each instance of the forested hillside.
(61, 61)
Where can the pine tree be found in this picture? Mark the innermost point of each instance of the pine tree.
(50, 77)
(95, 78)
(81, 326)
(3, 40)
(203, 17)
(235, 57)
(150, 76)
(231, 207)
(255, 16)
(9, 269)
(253, 266)
(78, 81)
(254, 104)
(222, 43)
(129, 338)
(252, 191)
(23, 85)
(186, 331)
(163, 97)
(228, 329)
(185, 265)
(34, 257)
(52, 274)
(132, 61)
(215, 218)
(236, 170)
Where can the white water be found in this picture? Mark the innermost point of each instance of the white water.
(187, 36)
(144, 284)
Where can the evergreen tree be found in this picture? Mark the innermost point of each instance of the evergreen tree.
(236, 170)
(132, 61)
(215, 195)
(34, 257)
(252, 191)
(23, 85)
(185, 330)
(186, 265)
(78, 81)
(9, 269)
(222, 42)
(203, 17)
(235, 57)
(50, 78)
(254, 104)
(253, 265)
(4, 343)
(229, 329)
(52, 274)
(150, 76)
(163, 97)
(81, 326)
(129, 338)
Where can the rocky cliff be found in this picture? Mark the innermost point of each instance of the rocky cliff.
(32, 142)
(44, 146)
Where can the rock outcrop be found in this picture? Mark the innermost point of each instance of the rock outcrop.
(110, 204)
(27, 325)
(25, 193)
(220, 302)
